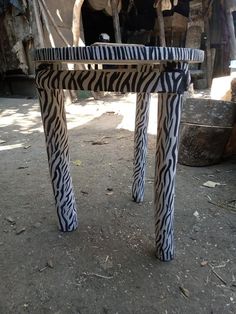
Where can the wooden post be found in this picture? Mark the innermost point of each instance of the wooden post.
(205, 8)
(230, 7)
(76, 21)
(116, 21)
(161, 25)
(82, 38)
(232, 40)
(38, 23)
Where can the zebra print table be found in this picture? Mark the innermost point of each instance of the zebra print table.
(139, 69)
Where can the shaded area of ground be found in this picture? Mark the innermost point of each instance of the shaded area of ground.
(108, 264)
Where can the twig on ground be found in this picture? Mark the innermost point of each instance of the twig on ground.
(97, 275)
(227, 206)
(217, 275)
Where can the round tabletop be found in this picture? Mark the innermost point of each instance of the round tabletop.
(118, 54)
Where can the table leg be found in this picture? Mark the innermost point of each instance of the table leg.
(55, 129)
(169, 113)
(140, 145)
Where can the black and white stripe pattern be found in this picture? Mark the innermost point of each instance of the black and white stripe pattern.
(127, 80)
(140, 145)
(119, 54)
(169, 114)
(169, 111)
(55, 129)
(171, 82)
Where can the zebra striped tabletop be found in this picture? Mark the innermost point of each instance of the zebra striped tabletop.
(118, 54)
(170, 79)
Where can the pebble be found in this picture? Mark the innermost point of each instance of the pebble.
(11, 220)
(20, 231)
(37, 225)
(196, 228)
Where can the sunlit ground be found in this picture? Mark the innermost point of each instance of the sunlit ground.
(124, 106)
(21, 116)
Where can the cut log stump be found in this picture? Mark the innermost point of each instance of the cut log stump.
(205, 129)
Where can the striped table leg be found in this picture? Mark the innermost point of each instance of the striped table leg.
(55, 129)
(169, 114)
(140, 145)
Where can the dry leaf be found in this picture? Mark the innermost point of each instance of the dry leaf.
(27, 146)
(20, 231)
(50, 263)
(77, 162)
(184, 291)
(10, 219)
(100, 142)
(84, 192)
(110, 193)
(211, 184)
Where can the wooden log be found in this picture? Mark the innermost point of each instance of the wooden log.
(202, 145)
(205, 128)
(209, 112)
(230, 148)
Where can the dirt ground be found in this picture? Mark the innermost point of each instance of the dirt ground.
(108, 265)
